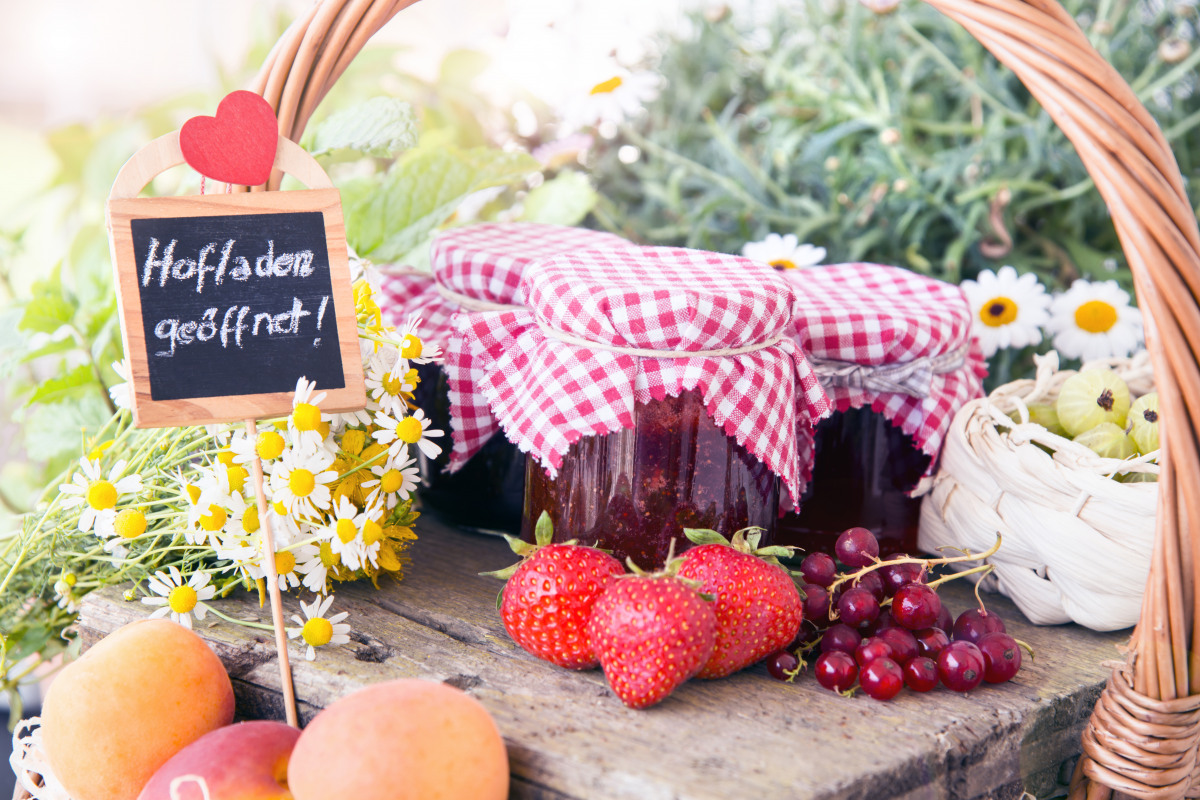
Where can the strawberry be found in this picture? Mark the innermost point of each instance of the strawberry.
(758, 607)
(549, 596)
(651, 633)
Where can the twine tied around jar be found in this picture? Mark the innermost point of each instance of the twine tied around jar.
(1140, 746)
(913, 378)
(579, 341)
(469, 303)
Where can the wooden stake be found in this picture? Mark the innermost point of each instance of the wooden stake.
(267, 546)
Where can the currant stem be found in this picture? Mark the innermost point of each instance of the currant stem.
(925, 562)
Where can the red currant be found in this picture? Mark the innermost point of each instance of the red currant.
(836, 670)
(921, 674)
(960, 666)
(884, 620)
(903, 644)
(856, 606)
(1001, 657)
(973, 624)
(870, 649)
(818, 568)
(856, 547)
(945, 620)
(931, 642)
(881, 679)
(816, 603)
(781, 663)
(916, 606)
(840, 637)
(872, 583)
(896, 575)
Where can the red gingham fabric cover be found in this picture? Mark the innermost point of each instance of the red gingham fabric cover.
(872, 314)
(484, 261)
(546, 393)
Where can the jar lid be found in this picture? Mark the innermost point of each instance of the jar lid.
(477, 267)
(892, 339)
(607, 329)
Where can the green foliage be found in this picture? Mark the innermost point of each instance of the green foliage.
(893, 138)
(381, 127)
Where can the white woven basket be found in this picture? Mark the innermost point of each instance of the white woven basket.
(1077, 544)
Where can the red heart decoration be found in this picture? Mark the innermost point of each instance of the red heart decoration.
(235, 146)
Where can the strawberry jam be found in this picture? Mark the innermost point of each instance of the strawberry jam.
(634, 490)
(488, 493)
(862, 474)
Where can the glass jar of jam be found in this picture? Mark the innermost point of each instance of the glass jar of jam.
(488, 493)
(864, 469)
(636, 489)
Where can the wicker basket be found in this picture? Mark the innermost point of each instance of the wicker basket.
(1077, 543)
(1144, 734)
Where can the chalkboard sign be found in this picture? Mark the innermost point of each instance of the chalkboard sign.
(227, 300)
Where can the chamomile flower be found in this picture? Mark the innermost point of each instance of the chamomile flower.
(391, 387)
(316, 569)
(345, 533)
(316, 629)
(267, 445)
(287, 562)
(178, 599)
(412, 348)
(121, 393)
(1008, 310)
(392, 480)
(397, 434)
(784, 252)
(1094, 320)
(243, 556)
(64, 590)
(98, 495)
(209, 515)
(299, 482)
(305, 421)
(619, 96)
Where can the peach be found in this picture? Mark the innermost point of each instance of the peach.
(113, 717)
(401, 740)
(247, 761)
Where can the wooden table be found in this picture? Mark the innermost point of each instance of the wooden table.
(746, 736)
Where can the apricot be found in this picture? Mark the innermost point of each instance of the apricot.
(401, 740)
(113, 717)
(247, 761)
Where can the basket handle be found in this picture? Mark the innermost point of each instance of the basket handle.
(164, 153)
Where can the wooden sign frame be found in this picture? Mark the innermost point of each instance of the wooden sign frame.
(124, 206)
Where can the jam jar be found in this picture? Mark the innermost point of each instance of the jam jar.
(475, 268)
(894, 353)
(634, 490)
(863, 473)
(653, 388)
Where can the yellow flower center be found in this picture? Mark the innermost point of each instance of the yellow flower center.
(345, 530)
(250, 519)
(236, 474)
(783, 263)
(608, 86)
(285, 562)
(410, 347)
(306, 417)
(353, 441)
(130, 523)
(193, 493)
(323, 429)
(225, 457)
(372, 532)
(279, 508)
(301, 482)
(214, 520)
(391, 481)
(409, 430)
(393, 384)
(317, 631)
(997, 312)
(102, 495)
(268, 445)
(182, 599)
(1096, 316)
(328, 557)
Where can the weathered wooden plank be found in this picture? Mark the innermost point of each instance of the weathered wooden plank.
(743, 736)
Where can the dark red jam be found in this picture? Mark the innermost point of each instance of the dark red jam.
(634, 490)
(488, 493)
(863, 471)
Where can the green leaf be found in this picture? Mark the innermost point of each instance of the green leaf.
(382, 126)
(51, 348)
(704, 536)
(422, 190)
(74, 384)
(49, 308)
(565, 200)
(543, 531)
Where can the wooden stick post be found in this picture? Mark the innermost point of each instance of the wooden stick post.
(267, 547)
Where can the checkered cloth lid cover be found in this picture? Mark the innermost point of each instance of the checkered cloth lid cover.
(484, 262)
(547, 393)
(876, 315)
